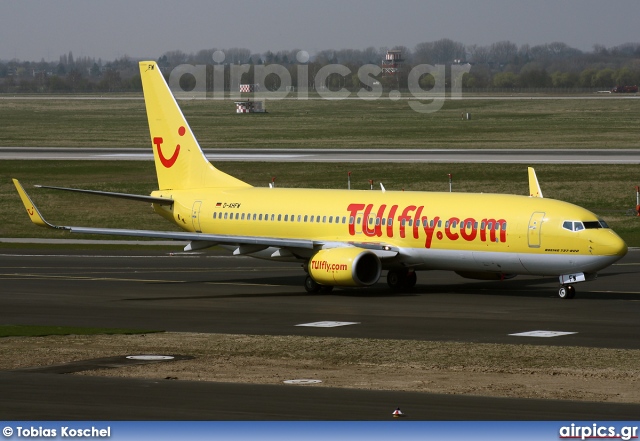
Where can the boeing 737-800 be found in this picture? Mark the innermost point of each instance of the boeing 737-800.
(348, 237)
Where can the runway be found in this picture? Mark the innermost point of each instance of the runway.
(217, 293)
(506, 156)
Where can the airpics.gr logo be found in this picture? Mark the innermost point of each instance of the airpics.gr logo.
(227, 78)
(158, 140)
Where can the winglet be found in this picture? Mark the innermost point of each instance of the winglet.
(32, 211)
(534, 187)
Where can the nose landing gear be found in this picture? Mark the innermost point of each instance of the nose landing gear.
(566, 292)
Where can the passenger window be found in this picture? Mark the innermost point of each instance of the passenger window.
(330, 219)
(279, 217)
(383, 221)
(351, 219)
(286, 218)
(311, 218)
(390, 223)
(214, 215)
(439, 224)
(299, 218)
(242, 216)
(344, 219)
(225, 215)
(306, 217)
(260, 218)
(254, 216)
(324, 219)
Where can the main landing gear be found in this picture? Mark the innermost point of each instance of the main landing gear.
(566, 292)
(313, 287)
(401, 280)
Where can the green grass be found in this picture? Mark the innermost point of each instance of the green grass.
(607, 190)
(355, 123)
(525, 123)
(41, 331)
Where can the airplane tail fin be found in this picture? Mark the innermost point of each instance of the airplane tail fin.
(180, 162)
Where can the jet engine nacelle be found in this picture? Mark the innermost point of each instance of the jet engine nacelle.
(349, 266)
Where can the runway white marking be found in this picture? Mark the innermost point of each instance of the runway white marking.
(150, 357)
(302, 381)
(542, 334)
(328, 324)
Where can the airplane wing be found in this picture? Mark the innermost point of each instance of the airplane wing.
(197, 240)
(135, 197)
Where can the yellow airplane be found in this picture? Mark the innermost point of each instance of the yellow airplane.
(347, 238)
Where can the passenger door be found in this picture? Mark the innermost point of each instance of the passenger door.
(535, 229)
(195, 216)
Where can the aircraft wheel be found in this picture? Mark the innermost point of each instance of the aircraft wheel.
(311, 286)
(395, 279)
(567, 292)
(410, 280)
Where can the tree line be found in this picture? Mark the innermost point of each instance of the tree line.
(502, 65)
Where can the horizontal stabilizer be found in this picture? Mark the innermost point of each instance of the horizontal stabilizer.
(134, 197)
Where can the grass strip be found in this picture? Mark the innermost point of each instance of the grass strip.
(607, 190)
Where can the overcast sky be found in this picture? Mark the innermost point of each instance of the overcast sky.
(32, 30)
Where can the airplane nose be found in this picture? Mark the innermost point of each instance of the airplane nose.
(612, 245)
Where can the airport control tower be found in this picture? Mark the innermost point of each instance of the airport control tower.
(392, 62)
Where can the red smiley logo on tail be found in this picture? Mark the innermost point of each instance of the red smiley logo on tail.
(172, 160)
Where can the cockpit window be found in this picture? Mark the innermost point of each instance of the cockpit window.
(573, 225)
(588, 225)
